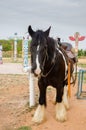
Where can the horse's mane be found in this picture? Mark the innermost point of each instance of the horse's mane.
(51, 44)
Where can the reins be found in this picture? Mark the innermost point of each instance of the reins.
(45, 75)
(46, 56)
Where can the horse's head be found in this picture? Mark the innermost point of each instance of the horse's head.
(38, 49)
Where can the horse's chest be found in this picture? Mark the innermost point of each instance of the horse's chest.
(52, 81)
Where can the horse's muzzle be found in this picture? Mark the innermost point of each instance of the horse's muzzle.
(37, 71)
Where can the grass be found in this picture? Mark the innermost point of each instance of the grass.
(82, 65)
(25, 128)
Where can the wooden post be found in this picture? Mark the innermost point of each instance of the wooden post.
(1, 54)
(27, 67)
(25, 52)
(76, 43)
(31, 90)
(76, 38)
(15, 47)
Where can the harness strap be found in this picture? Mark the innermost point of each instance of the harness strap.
(45, 75)
(69, 90)
(67, 76)
(62, 52)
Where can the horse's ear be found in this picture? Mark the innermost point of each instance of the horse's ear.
(30, 31)
(47, 32)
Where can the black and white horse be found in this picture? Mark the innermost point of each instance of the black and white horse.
(50, 64)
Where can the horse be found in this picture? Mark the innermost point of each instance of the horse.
(70, 51)
(50, 63)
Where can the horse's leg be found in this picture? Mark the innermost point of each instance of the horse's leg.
(65, 97)
(39, 115)
(60, 108)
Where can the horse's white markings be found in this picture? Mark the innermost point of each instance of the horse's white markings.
(38, 41)
(65, 97)
(38, 70)
(39, 115)
(64, 61)
(61, 113)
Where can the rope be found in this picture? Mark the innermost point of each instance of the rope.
(69, 90)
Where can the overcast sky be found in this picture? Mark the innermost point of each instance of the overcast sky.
(64, 16)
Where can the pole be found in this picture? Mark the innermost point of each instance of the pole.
(1, 54)
(25, 53)
(15, 47)
(27, 67)
(76, 42)
(76, 38)
(31, 90)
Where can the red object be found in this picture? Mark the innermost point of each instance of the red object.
(72, 38)
(81, 38)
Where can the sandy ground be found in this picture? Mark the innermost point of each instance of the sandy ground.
(14, 103)
(11, 68)
(15, 111)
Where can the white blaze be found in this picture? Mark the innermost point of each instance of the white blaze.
(64, 61)
(38, 70)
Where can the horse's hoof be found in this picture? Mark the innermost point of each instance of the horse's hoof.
(61, 114)
(61, 118)
(39, 116)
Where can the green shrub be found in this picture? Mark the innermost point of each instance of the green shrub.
(81, 52)
(6, 44)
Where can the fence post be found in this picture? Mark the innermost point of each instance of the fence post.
(81, 94)
(15, 47)
(1, 54)
(31, 90)
(27, 68)
(25, 52)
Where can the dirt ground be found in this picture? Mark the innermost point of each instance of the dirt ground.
(16, 114)
(15, 111)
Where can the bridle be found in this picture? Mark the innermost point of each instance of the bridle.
(53, 64)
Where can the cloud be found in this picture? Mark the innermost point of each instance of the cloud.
(65, 16)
